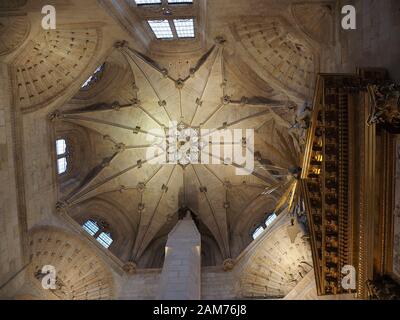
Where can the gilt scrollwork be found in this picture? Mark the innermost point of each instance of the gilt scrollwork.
(385, 105)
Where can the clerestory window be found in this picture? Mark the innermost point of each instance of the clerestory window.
(155, 2)
(62, 156)
(263, 226)
(98, 232)
(94, 77)
(259, 230)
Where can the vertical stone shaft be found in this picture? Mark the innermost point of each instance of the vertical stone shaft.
(180, 277)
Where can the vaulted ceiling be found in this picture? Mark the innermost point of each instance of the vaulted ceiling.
(205, 97)
(254, 74)
(251, 66)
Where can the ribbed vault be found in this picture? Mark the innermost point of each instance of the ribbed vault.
(206, 96)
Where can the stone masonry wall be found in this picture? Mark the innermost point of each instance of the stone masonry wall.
(10, 243)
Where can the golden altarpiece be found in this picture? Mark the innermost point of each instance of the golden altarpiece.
(348, 181)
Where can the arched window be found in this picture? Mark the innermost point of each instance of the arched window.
(62, 156)
(99, 232)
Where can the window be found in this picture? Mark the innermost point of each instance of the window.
(144, 2)
(61, 146)
(258, 232)
(105, 239)
(179, 1)
(147, 2)
(264, 225)
(271, 218)
(62, 165)
(161, 29)
(184, 28)
(61, 150)
(91, 227)
(98, 232)
(94, 77)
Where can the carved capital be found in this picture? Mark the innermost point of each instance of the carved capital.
(61, 207)
(56, 115)
(220, 40)
(130, 267)
(120, 44)
(179, 84)
(228, 264)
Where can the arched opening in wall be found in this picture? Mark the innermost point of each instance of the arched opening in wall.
(71, 155)
(154, 256)
(276, 263)
(94, 78)
(210, 253)
(79, 151)
(250, 221)
(210, 250)
(110, 82)
(108, 223)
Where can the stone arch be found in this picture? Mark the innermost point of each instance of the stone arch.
(273, 264)
(84, 154)
(154, 256)
(13, 32)
(104, 211)
(251, 215)
(115, 84)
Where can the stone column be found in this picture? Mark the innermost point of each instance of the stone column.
(180, 277)
(12, 225)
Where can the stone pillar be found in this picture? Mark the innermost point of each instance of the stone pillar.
(11, 225)
(180, 277)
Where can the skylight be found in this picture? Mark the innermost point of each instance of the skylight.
(90, 227)
(161, 29)
(105, 239)
(184, 28)
(258, 232)
(139, 2)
